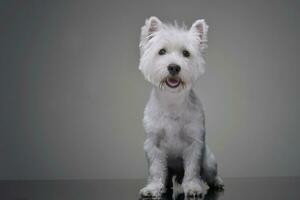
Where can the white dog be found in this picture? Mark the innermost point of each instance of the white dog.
(171, 60)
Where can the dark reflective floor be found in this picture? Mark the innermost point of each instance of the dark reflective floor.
(235, 188)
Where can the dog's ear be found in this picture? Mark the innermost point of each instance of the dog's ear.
(200, 29)
(152, 25)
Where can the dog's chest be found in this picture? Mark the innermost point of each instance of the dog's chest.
(173, 139)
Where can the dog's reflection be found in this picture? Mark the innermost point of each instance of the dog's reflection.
(211, 194)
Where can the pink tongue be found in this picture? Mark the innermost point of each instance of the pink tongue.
(173, 81)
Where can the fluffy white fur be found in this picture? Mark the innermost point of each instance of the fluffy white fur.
(173, 117)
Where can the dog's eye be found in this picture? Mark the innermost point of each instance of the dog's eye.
(186, 53)
(162, 52)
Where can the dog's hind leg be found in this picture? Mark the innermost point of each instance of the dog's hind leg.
(209, 170)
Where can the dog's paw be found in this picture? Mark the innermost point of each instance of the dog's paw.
(218, 183)
(192, 188)
(154, 189)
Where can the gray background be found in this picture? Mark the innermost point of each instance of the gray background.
(72, 97)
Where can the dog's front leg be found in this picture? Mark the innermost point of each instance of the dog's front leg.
(157, 169)
(192, 158)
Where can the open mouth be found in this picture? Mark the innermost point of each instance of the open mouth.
(173, 82)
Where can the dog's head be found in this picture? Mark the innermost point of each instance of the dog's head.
(171, 56)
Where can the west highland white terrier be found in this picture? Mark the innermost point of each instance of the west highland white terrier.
(171, 60)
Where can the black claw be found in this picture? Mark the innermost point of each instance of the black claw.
(194, 195)
(219, 187)
(148, 196)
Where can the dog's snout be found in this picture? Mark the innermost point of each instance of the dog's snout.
(174, 69)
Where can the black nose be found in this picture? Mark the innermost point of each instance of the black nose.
(174, 69)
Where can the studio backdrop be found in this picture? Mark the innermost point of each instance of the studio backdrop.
(72, 97)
